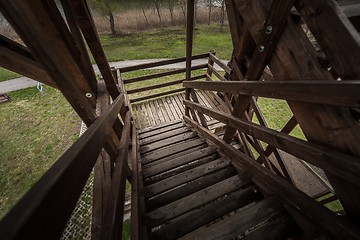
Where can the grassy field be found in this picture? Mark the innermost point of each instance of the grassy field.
(35, 130)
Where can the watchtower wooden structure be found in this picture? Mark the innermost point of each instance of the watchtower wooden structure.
(214, 174)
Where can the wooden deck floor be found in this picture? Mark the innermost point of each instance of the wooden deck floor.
(169, 108)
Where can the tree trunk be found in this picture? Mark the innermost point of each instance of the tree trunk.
(210, 8)
(157, 6)
(171, 10)
(222, 15)
(195, 14)
(112, 23)
(146, 19)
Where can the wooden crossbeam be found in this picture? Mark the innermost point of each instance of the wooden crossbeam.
(339, 93)
(163, 74)
(339, 164)
(161, 63)
(295, 59)
(87, 26)
(266, 44)
(114, 212)
(329, 221)
(17, 58)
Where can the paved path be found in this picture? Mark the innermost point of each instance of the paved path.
(24, 82)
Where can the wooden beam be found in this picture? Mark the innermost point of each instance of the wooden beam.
(161, 63)
(339, 93)
(329, 221)
(114, 213)
(36, 29)
(163, 74)
(157, 95)
(295, 59)
(87, 26)
(20, 60)
(337, 49)
(339, 164)
(46, 208)
(266, 44)
(220, 63)
(166, 84)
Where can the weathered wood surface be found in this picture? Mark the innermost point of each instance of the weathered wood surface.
(189, 193)
(329, 221)
(170, 108)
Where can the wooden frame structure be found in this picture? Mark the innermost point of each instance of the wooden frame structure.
(269, 42)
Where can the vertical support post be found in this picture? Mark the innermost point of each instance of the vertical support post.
(189, 43)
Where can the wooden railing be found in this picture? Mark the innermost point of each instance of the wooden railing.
(275, 178)
(45, 210)
(124, 83)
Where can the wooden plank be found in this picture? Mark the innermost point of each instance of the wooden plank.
(149, 110)
(88, 29)
(60, 186)
(340, 93)
(220, 63)
(195, 200)
(38, 39)
(163, 136)
(160, 145)
(157, 95)
(163, 74)
(295, 55)
(282, 227)
(114, 212)
(337, 163)
(189, 188)
(151, 87)
(173, 171)
(176, 107)
(185, 176)
(329, 221)
(16, 58)
(161, 63)
(217, 74)
(136, 222)
(168, 110)
(168, 152)
(194, 153)
(199, 217)
(153, 131)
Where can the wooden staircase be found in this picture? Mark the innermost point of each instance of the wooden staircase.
(192, 192)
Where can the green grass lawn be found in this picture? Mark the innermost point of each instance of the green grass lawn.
(35, 130)
(6, 75)
(167, 43)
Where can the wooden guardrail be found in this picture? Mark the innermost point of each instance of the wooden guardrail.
(125, 82)
(339, 164)
(44, 211)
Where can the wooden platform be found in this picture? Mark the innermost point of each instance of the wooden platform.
(192, 192)
(169, 108)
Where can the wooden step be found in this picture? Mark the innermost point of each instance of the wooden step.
(159, 167)
(171, 151)
(167, 143)
(243, 221)
(196, 200)
(165, 135)
(185, 176)
(189, 188)
(201, 216)
(159, 129)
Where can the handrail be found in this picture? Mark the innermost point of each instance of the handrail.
(329, 221)
(340, 93)
(339, 164)
(44, 211)
(161, 63)
(113, 215)
(163, 74)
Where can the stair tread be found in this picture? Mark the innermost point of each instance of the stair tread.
(196, 199)
(186, 176)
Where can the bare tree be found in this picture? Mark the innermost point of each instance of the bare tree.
(158, 7)
(106, 8)
(210, 10)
